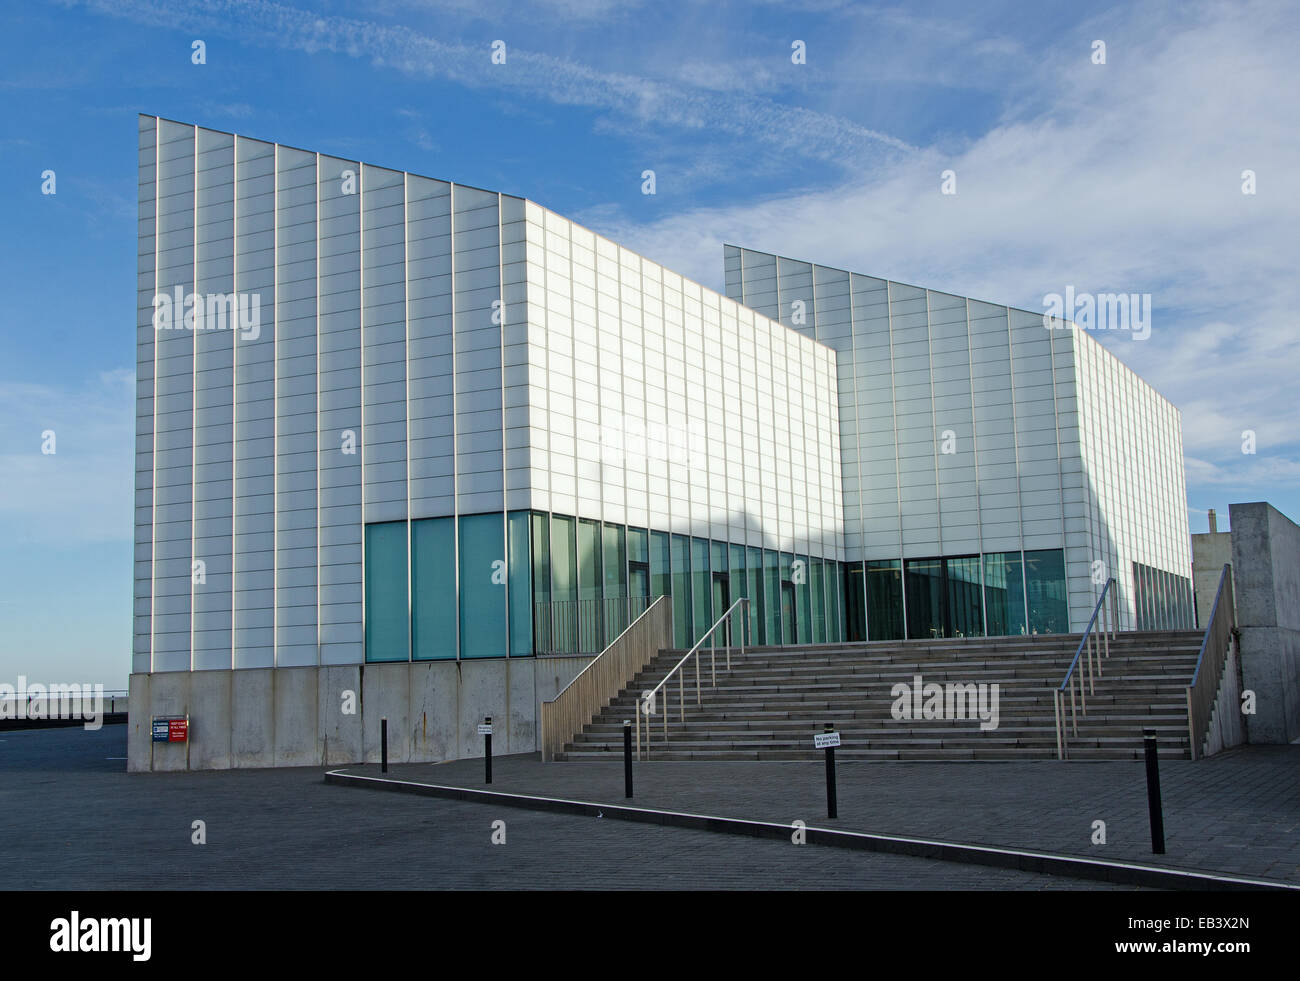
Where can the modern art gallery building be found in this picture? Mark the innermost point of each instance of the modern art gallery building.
(412, 449)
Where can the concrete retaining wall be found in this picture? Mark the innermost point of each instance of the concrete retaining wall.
(330, 715)
(1266, 567)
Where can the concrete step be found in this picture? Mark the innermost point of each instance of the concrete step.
(771, 701)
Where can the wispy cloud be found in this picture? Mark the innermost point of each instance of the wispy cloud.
(654, 103)
(1129, 179)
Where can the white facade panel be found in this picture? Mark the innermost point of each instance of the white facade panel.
(1048, 434)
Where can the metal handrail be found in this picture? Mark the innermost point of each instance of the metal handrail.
(1073, 680)
(1209, 623)
(577, 703)
(646, 699)
(1220, 634)
(574, 680)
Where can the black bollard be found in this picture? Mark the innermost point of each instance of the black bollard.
(383, 745)
(627, 757)
(1153, 793)
(832, 805)
(487, 746)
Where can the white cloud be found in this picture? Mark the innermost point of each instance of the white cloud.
(658, 103)
(1129, 182)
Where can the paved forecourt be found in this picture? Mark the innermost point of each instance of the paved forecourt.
(74, 819)
(1237, 813)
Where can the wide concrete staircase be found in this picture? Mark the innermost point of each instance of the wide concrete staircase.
(775, 698)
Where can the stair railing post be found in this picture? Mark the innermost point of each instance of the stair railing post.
(727, 628)
(1087, 657)
(744, 626)
(1105, 635)
(1095, 668)
(1074, 717)
(1083, 696)
(1105, 638)
(1056, 710)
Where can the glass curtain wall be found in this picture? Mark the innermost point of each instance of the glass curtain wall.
(614, 606)
(589, 612)
(855, 602)
(739, 588)
(884, 585)
(1049, 611)
(754, 590)
(482, 586)
(965, 608)
(772, 597)
(638, 572)
(701, 590)
(660, 578)
(542, 621)
(789, 632)
(1004, 594)
(534, 582)
(681, 582)
(387, 625)
(433, 589)
(818, 578)
(803, 595)
(519, 568)
(925, 598)
(564, 584)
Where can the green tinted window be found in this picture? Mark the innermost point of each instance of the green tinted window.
(884, 584)
(433, 588)
(387, 620)
(519, 569)
(482, 586)
(1004, 594)
(1045, 592)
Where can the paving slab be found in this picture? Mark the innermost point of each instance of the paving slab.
(74, 819)
(1236, 813)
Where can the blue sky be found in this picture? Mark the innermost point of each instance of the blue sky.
(1117, 177)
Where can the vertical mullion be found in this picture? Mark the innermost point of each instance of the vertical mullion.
(455, 426)
(406, 411)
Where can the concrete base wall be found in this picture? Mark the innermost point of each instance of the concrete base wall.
(1266, 567)
(331, 715)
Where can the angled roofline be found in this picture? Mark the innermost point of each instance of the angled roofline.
(322, 153)
(886, 279)
(1075, 329)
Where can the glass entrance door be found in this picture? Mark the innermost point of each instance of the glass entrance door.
(721, 600)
